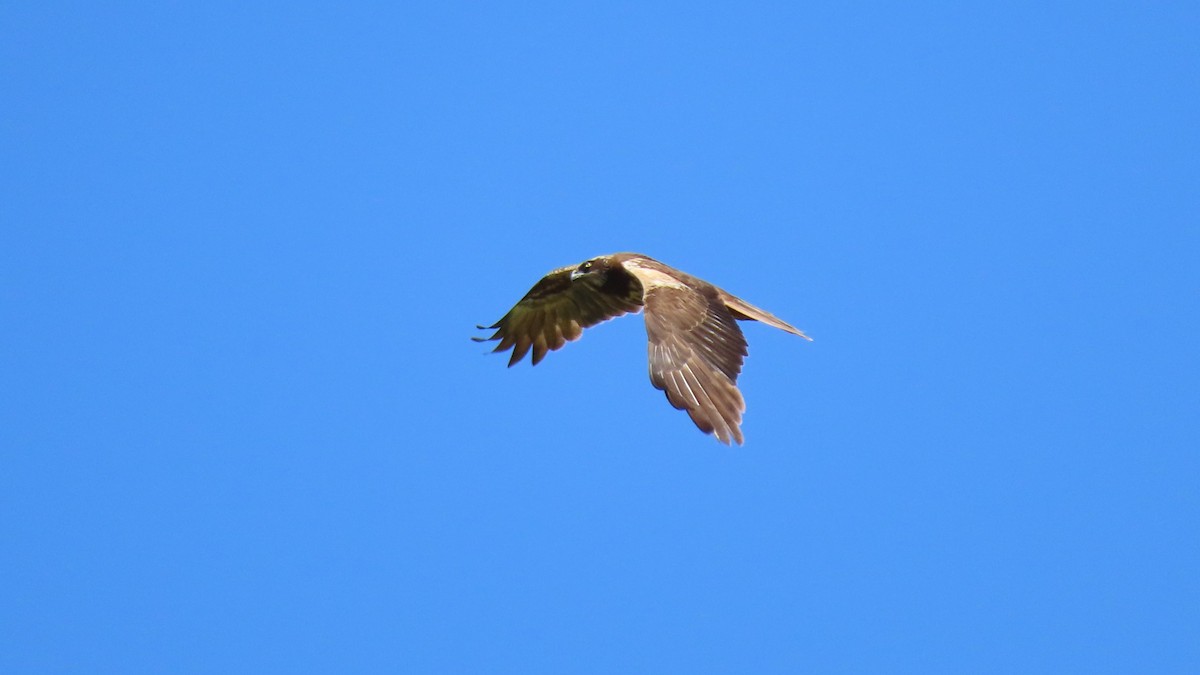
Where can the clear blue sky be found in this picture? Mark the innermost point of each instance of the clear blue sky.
(243, 247)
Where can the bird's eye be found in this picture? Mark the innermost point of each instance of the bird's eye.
(587, 265)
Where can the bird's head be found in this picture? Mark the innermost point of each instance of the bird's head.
(595, 269)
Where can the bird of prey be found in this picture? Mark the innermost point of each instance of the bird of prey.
(696, 346)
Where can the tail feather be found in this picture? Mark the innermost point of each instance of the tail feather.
(746, 311)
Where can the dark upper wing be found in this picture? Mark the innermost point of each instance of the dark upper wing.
(696, 354)
(556, 311)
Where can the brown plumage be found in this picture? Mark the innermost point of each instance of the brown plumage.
(696, 346)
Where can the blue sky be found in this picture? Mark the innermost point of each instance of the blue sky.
(244, 245)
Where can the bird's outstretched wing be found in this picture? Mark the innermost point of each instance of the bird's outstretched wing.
(555, 311)
(696, 354)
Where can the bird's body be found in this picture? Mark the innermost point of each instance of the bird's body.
(696, 346)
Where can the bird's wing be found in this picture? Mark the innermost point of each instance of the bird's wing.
(696, 354)
(555, 311)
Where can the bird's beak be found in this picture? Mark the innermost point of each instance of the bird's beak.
(575, 274)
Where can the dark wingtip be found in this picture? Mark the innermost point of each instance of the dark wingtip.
(495, 336)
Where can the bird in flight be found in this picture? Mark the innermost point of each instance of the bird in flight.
(696, 346)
